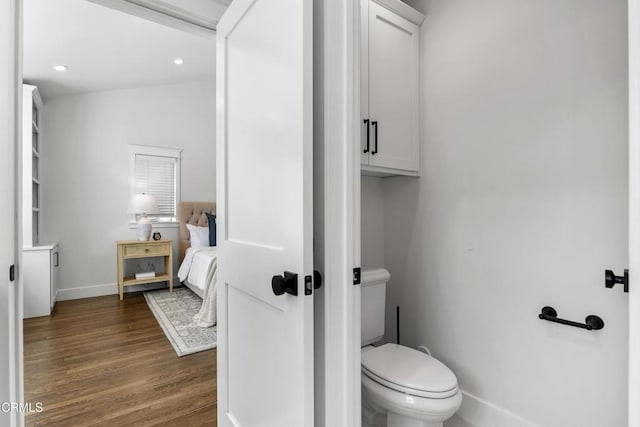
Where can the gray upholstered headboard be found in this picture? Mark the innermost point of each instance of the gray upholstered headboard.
(191, 213)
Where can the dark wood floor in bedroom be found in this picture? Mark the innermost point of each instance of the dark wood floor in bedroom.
(102, 361)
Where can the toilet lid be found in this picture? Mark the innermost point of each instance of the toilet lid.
(409, 371)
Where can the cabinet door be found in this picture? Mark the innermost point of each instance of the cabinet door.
(393, 90)
(37, 275)
(365, 136)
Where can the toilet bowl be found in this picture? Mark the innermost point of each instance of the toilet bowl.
(411, 388)
(401, 387)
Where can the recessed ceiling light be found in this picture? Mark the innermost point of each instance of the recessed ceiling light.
(61, 68)
(178, 61)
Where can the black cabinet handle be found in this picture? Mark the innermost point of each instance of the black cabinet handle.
(366, 150)
(375, 136)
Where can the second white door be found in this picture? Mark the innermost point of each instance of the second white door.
(265, 224)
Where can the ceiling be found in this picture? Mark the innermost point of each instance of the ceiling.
(106, 49)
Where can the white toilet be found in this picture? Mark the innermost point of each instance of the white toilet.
(407, 387)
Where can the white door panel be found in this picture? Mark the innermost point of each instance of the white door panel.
(264, 198)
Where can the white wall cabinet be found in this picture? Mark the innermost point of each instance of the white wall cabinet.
(41, 264)
(390, 88)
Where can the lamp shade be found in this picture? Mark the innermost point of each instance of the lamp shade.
(143, 204)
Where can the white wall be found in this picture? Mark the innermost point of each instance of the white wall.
(522, 203)
(372, 221)
(86, 169)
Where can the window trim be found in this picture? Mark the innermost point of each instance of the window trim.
(148, 150)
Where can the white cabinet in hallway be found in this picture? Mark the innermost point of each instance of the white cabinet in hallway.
(390, 88)
(40, 268)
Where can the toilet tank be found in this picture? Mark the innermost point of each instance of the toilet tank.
(373, 291)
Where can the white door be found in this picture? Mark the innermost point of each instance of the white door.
(393, 89)
(264, 200)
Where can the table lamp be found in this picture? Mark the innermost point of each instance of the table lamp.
(141, 205)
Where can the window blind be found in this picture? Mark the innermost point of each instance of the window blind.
(156, 175)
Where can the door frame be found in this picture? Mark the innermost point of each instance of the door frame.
(17, 291)
(634, 211)
(14, 314)
(337, 70)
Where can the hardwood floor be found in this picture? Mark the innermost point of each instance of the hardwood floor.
(101, 361)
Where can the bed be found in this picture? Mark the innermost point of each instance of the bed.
(198, 266)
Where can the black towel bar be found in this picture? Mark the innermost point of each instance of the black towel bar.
(592, 322)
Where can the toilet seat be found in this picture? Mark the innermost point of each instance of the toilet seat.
(409, 371)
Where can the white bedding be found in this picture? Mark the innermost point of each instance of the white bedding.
(199, 268)
(196, 266)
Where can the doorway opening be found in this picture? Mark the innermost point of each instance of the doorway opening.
(114, 106)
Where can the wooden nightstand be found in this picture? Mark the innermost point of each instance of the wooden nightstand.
(128, 249)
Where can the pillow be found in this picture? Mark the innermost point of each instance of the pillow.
(212, 228)
(199, 236)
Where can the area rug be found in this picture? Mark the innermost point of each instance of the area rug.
(174, 312)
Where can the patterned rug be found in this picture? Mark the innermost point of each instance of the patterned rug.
(174, 312)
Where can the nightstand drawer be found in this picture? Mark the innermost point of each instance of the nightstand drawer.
(146, 250)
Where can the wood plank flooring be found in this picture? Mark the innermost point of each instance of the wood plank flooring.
(102, 361)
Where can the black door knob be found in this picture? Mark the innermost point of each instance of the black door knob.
(285, 283)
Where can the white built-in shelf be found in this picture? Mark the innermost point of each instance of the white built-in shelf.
(31, 164)
(40, 263)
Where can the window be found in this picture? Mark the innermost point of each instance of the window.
(156, 171)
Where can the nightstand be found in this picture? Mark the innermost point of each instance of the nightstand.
(130, 249)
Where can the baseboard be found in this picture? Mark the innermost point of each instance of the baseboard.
(87, 291)
(91, 291)
(478, 412)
